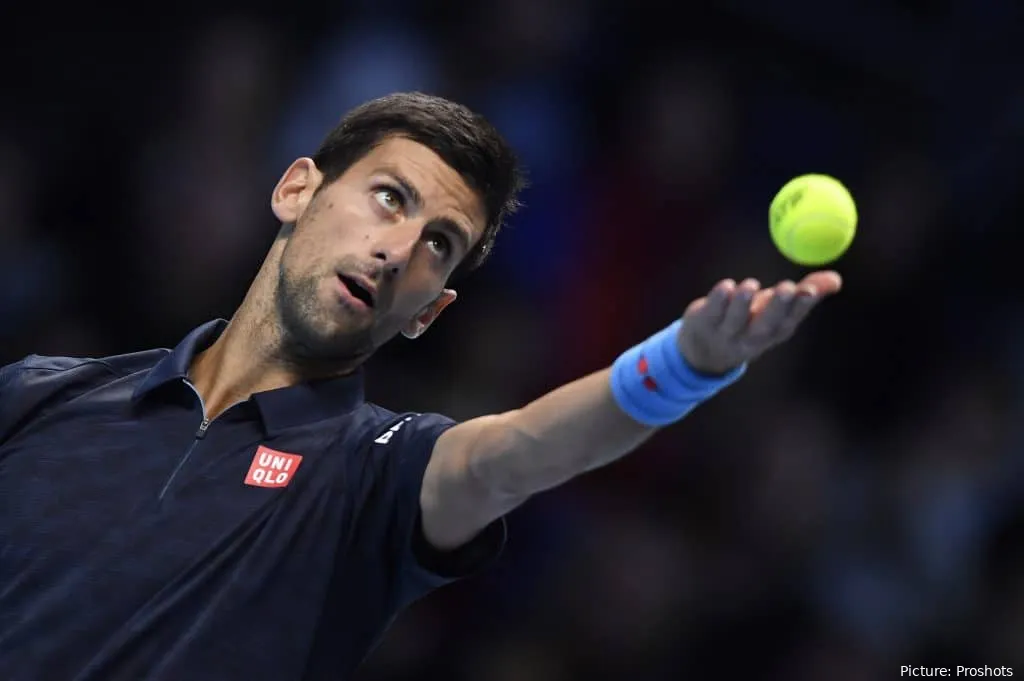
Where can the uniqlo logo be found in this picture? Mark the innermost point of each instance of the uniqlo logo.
(271, 468)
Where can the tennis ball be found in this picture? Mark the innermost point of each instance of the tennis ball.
(813, 219)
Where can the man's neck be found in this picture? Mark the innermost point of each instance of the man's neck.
(246, 359)
(241, 362)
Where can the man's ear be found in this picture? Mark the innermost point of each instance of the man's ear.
(295, 189)
(421, 322)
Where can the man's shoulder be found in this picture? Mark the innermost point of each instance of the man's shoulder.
(393, 427)
(33, 368)
(38, 384)
(45, 378)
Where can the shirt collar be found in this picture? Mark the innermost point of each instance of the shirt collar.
(174, 366)
(280, 408)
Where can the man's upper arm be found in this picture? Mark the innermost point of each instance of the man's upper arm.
(456, 502)
(423, 565)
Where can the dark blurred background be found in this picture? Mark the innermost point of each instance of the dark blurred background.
(855, 504)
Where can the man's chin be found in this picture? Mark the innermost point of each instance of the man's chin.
(319, 333)
(304, 344)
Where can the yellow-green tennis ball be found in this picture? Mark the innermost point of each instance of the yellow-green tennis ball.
(813, 219)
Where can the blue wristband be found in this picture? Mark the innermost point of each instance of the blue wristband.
(654, 385)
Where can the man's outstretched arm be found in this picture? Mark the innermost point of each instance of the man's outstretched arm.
(485, 467)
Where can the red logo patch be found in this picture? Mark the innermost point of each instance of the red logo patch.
(271, 468)
(643, 368)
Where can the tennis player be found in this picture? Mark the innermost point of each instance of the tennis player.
(234, 510)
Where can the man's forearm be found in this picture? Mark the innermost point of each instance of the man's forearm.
(569, 431)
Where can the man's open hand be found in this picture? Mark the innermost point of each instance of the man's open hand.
(734, 324)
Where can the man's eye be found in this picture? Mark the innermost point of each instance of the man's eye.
(440, 244)
(389, 199)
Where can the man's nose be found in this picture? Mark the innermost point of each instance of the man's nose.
(395, 245)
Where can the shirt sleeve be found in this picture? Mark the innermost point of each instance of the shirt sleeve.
(423, 568)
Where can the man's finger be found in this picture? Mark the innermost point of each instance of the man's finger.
(806, 299)
(825, 283)
(695, 307)
(766, 325)
(737, 314)
(761, 300)
(716, 302)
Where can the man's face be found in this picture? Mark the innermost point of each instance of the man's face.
(371, 251)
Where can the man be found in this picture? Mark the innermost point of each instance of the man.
(233, 509)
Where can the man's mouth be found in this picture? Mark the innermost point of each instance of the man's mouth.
(361, 290)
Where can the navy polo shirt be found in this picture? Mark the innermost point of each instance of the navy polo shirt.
(138, 541)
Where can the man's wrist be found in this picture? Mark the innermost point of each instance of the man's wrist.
(655, 385)
(699, 380)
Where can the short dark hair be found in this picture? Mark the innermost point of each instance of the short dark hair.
(465, 140)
